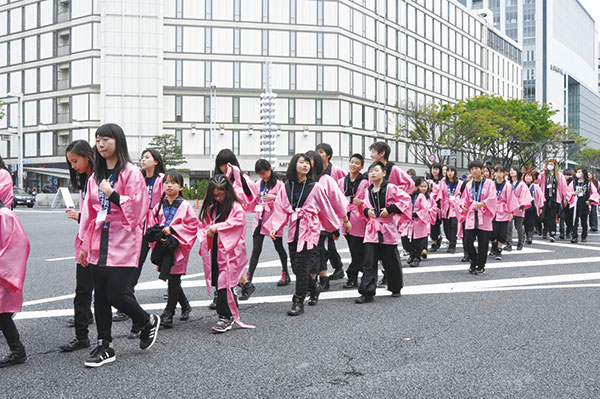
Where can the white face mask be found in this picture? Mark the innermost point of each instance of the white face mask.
(550, 167)
(579, 175)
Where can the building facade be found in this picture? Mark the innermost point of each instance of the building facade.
(338, 67)
(560, 53)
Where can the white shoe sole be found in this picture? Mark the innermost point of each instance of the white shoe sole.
(221, 331)
(102, 363)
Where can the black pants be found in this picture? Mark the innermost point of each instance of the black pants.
(477, 256)
(436, 230)
(551, 208)
(257, 244)
(566, 221)
(9, 329)
(499, 232)
(135, 276)
(450, 230)
(176, 293)
(223, 309)
(355, 244)
(581, 217)
(329, 252)
(304, 263)
(414, 247)
(82, 302)
(594, 218)
(530, 220)
(110, 289)
(392, 265)
(518, 223)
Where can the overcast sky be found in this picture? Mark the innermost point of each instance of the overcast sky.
(593, 7)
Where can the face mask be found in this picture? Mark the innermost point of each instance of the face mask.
(550, 167)
(578, 174)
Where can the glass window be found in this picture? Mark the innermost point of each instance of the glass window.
(292, 77)
(208, 40)
(265, 10)
(208, 10)
(292, 44)
(318, 138)
(236, 110)
(291, 143)
(236, 142)
(178, 73)
(179, 139)
(319, 113)
(179, 9)
(207, 146)
(265, 42)
(320, 45)
(236, 41)
(292, 111)
(178, 39)
(292, 11)
(178, 108)
(236, 10)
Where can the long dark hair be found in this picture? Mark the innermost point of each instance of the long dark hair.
(292, 173)
(317, 169)
(418, 181)
(451, 168)
(83, 149)
(226, 156)
(114, 131)
(2, 164)
(264, 165)
(218, 182)
(175, 177)
(160, 167)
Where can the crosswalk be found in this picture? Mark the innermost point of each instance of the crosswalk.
(549, 266)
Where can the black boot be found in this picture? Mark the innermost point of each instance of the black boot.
(451, 248)
(186, 309)
(314, 289)
(213, 304)
(17, 355)
(338, 274)
(297, 306)
(324, 282)
(574, 239)
(166, 318)
(529, 240)
(493, 249)
(247, 290)
(351, 283)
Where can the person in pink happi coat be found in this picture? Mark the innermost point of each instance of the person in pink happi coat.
(304, 204)
(507, 204)
(111, 226)
(449, 193)
(434, 180)
(385, 206)
(537, 205)
(177, 219)
(222, 236)
(354, 186)
(14, 251)
(415, 230)
(581, 195)
(326, 152)
(554, 186)
(227, 163)
(6, 185)
(524, 199)
(477, 209)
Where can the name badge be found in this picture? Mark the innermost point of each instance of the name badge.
(101, 217)
(549, 186)
(258, 208)
(294, 216)
(349, 199)
(580, 194)
(452, 197)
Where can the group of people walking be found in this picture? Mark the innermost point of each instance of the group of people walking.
(127, 213)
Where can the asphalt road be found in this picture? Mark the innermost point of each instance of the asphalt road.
(528, 328)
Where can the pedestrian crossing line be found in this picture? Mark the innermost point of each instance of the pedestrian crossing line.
(587, 246)
(477, 285)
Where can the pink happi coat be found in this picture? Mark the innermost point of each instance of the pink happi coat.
(523, 198)
(315, 214)
(157, 192)
(357, 220)
(78, 240)
(6, 188)
(14, 251)
(247, 201)
(337, 173)
(419, 226)
(507, 203)
(125, 229)
(336, 196)
(466, 206)
(572, 197)
(388, 225)
(185, 224)
(267, 209)
(561, 185)
(401, 179)
(447, 200)
(231, 258)
(537, 196)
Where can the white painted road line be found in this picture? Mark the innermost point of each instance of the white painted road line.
(59, 259)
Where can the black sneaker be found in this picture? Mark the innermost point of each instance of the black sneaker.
(134, 334)
(284, 280)
(324, 283)
(247, 290)
(473, 270)
(224, 324)
(396, 294)
(350, 284)
(213, 304)
(71, 321)
(149, 332)
(101, 355)
(120, 316)
(166, 319)
(364, 299)
(465, 259)
(507, 247)
(338, 274)
(480, 270)
(16, 356)
(185, 312)
(74, 345)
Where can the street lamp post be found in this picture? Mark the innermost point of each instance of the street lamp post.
(19, 97)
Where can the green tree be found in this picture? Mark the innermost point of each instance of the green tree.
(166, 144)
(589, 157)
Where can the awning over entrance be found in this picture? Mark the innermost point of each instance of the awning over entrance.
(55, 172)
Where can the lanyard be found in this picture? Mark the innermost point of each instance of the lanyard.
(169, 212)
(263, 191)
(150, 189)
(477, 195)
(84, 191)
(515, 185)
(300, 197)
(532, 191)
(452, 189)
(499, 190)
(103, 198)
(374, 198)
